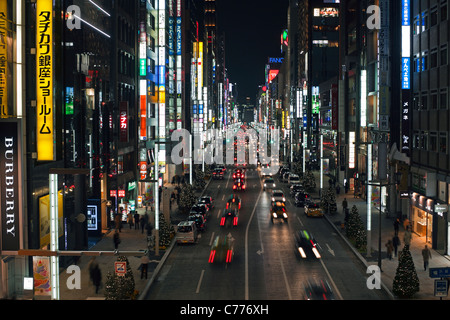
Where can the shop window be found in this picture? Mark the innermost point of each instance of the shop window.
(434, 100)
(443, 100)
(424, 102)
(444, 11)
(443, 141)
(444, 55)
(424, 140)
(433, 17)
(433, 58)
(433, 142)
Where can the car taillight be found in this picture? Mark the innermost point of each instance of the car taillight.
(211, 256)
(222, 221)
(229, 255)
(235, 221)
(234, 186)
(243, 186)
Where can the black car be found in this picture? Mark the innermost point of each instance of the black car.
(295, 188)
(199, 220)
(306, 245)
(207, 200)
(199, 209)
(229, 217)
(318, 290)
(218, 174)
(301, 199)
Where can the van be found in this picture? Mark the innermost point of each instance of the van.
(186, 232)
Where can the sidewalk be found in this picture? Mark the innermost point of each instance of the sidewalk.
(389, 267)
(131, 240)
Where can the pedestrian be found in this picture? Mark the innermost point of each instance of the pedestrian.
(344, 205)
(396, 243)
(92, 264)
(116, 239)
(143, 223)
(396, 225)
(338, 189)
(96, 277)
(136, 221)
(407, 237)
(426, 254)
(144, 266)
(118, 222)
(389, 248)
(346, 186)
(405, 223)
(130, 219)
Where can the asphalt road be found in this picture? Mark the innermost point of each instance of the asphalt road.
(265, 264)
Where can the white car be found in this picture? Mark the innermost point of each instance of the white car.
(269, 183)
(278, 196)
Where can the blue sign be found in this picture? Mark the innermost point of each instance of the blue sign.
(440, 288)
(440, 272)
(406, 73)
(405, 13)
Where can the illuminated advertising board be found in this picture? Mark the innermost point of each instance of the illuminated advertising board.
(123, 121)
(9, 185)
(406, 76)
(3, 62)
(44, 80)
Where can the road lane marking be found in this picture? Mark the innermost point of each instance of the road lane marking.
(246, 242)
(200, 281)
(301, 223)
(286, 282)
(212, 238)
(331, 280)
(223, 197)
(218, 213)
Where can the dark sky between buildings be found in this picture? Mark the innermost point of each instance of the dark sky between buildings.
(252, 31)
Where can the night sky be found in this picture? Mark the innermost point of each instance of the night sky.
(252, 34)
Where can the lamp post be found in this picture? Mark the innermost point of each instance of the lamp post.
(379, 184)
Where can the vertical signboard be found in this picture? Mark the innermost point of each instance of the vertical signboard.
(9, 185)
(3, 62)
(406, 76)
(334, 107)
(41, 275)
(44, 80)
(123, 118)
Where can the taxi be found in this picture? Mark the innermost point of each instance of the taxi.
(313, 209)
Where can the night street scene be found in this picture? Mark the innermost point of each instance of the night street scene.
(225, 158)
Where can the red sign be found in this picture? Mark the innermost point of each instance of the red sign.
(113, 193)
(334, 107)
(121, 193)
(120, 267)
(143, 169)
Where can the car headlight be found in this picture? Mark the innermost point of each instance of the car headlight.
(284, 199)
(273, 199)
(274, 215)
(302, 252)
(265, 185)
(274, 184)
(285, 215)
(316, 252)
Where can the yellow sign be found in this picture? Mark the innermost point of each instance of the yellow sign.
(3, 61)
(44, 79)
(44, 218)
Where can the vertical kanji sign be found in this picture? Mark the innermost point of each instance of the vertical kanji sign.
(44, 80)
